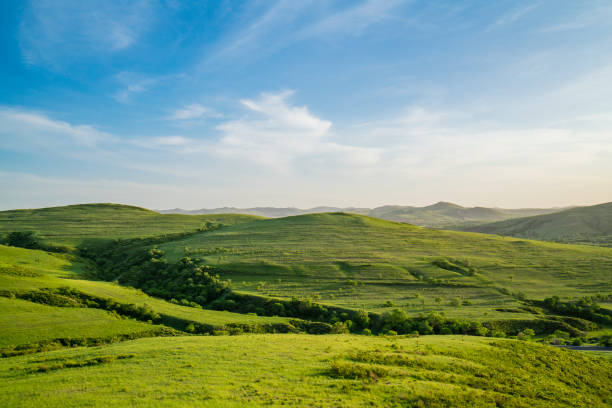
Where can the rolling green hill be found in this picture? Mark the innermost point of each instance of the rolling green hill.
(306, 370)
(437, 215)
(70, 225)
(362, 262)
(24, 272)
(589, 225)
(69, 341)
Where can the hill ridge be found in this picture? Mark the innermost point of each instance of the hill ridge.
(439, 215)
(591, 224)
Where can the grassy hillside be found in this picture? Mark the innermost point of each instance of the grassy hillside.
(437, 215)
(591, 225)
(303, 370)
(70, 225)
(138, 352)
(24, 271)
(23, 322)
(358, 261)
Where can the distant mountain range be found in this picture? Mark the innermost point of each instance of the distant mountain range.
(589, 225)
(439, 215)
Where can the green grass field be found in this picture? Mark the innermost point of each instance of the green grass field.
(336, 259)
(23, 322)
(358, 261)
(306, 370)
(71, 225)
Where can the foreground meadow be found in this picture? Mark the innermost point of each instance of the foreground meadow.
(306, 370)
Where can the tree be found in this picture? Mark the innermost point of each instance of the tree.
(23, 239)
(339, 328)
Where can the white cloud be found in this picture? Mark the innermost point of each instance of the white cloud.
(31, 129)
(191, 112)
(280, 134)
(60, 32)
(278, 149)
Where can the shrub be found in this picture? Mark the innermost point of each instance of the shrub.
(577, 341)
(23, 239)
(606, 340)
(497, 333)
(356, 371)
(339, 328)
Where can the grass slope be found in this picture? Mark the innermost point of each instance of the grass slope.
(304, 370)
(70, 225)
(21, 322)
(591, 225)
(358, 261)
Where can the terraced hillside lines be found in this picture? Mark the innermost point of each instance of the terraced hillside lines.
(358, 261)
(589, 225)
(70, 225)
(303, 370)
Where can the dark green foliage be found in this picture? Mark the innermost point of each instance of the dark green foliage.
(22, 239)
(130, 263)
(605, 340)
(585, 308)
(539, 326)
(432, 323)
(339, 328)
(29, 240)
(68, 297)
(43, 368)
(312, 327)
(55, 344)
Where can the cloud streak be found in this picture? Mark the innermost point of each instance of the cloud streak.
(56, 33)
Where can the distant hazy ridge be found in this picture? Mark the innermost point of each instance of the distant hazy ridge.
(438, 215)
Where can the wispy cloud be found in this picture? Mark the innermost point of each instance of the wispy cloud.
(133, 83)
(353, 20)
(513, 16)
(192, 112)
(61, 32)
(286, 22)
(592, 17)
(35, 129)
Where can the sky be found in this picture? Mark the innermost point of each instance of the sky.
(201, 104)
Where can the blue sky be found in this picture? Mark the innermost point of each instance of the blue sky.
(301, 103)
